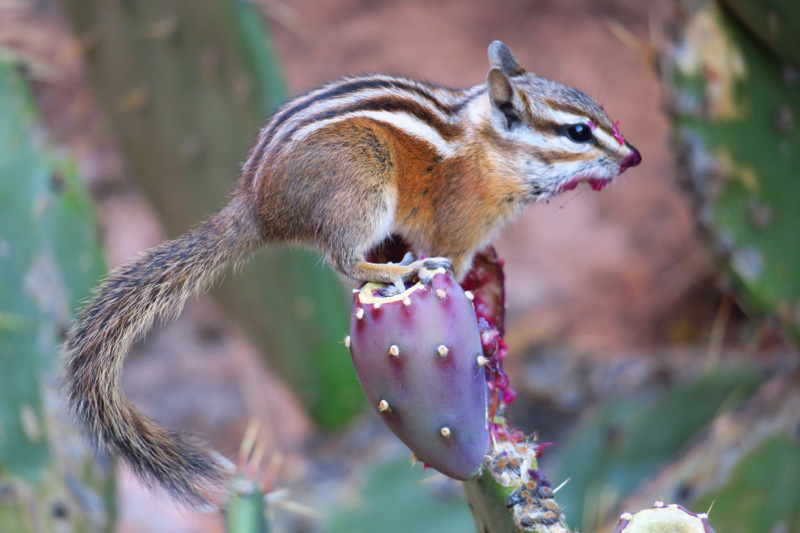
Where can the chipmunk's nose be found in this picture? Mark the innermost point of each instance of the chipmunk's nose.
(633, 159)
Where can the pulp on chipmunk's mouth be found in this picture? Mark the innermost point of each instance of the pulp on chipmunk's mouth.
(597, 184)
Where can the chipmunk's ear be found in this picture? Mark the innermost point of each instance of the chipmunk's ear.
(501, 57)
(505, 96)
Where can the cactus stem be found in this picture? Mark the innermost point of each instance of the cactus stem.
(481, 360)
(445, 432)
(443, 350)
(406, 301)
(394, 351)
(441, 294)
(347, 341)
(360, 313)
(383, 406)
(469, 295)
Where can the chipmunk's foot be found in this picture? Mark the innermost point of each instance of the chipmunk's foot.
(422, 269)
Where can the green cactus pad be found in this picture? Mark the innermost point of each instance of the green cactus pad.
(776, 23)
(735, 108)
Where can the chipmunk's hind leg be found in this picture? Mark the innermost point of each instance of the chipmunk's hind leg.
(350, 199)
(348, 249)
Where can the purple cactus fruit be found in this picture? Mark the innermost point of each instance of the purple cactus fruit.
(416, 355)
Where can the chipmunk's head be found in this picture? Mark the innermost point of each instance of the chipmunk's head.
(551, 135)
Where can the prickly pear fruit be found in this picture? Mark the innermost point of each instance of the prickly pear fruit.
(419, 359)
(663, 518)
(486, 281)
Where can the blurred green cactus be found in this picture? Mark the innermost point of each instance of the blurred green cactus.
(763, 489)
(631, 439)
(734, 103)
(512, 495)
(745, 467)
(397, 499)
(49, 260)
(186, 85)
(776, 23)
(735, 106)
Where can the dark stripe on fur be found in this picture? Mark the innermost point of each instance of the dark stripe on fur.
(395, 104)
(342, 89)
(566, 107)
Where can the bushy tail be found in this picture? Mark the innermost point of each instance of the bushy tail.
(125, 306)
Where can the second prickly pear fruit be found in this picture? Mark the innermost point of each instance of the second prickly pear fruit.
(664, 518)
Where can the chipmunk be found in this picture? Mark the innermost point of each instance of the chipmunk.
(340, 169)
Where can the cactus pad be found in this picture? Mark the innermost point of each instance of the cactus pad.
(734, 106)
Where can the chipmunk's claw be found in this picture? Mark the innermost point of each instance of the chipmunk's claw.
(425, 276)
(434, 263)
(407, 259)
(422, 269)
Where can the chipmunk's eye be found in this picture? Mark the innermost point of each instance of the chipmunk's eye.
(580, 133)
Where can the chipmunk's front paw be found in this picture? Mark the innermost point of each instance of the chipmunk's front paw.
(434, 263)
(408, 271)
(421, 269)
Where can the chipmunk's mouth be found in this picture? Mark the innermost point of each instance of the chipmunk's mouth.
(597, 184)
